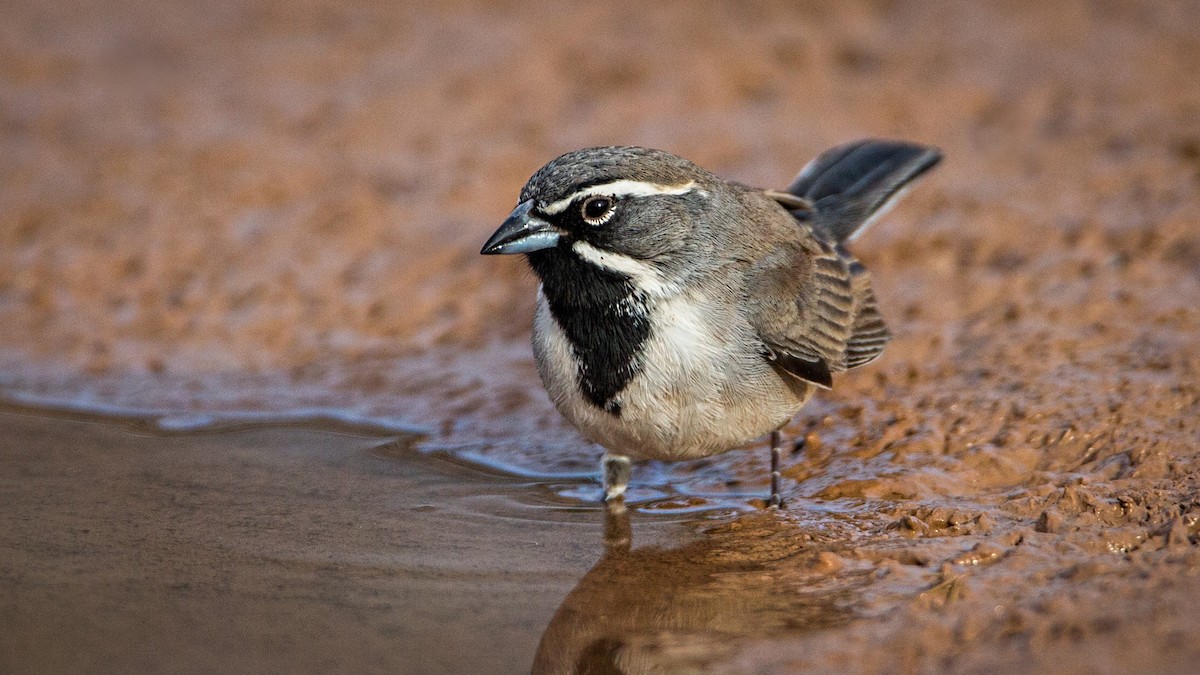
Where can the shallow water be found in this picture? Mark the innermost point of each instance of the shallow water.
(296, 545)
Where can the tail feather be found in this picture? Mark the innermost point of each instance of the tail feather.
(851, 186)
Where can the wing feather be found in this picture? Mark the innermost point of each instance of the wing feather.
(815, 312)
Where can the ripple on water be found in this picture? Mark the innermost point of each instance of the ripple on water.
(659, 489)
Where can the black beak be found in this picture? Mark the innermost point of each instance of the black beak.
(521, 233)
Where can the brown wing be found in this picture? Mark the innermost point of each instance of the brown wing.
(814, 311)
(869, 335)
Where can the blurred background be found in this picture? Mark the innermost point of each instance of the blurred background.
(245, 205)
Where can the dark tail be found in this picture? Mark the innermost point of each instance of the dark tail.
(852, 185)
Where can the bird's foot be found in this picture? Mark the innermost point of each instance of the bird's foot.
(775, 502)
(615, 470)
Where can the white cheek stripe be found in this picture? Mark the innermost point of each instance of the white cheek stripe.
(645, 276)
(618, 189)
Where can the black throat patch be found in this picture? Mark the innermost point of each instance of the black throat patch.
(604, 318)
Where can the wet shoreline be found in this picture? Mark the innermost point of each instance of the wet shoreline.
(281, 546)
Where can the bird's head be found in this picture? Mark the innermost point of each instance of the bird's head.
(615, 207)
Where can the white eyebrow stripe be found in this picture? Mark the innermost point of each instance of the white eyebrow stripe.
(618, 189)
(645, 276)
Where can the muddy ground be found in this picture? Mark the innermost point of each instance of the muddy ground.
(212, 208)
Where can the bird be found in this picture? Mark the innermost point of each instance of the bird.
(680, 315)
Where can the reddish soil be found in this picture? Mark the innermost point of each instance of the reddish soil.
(274, 205)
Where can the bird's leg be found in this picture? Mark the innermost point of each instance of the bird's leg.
(615, 469)
(776, 501)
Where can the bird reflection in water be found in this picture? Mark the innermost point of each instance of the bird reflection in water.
(679, 609)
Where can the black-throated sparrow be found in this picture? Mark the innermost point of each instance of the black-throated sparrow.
(681, 315)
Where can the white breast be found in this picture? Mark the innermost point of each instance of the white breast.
(702, 390)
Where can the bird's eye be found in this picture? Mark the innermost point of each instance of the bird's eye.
(597, 210)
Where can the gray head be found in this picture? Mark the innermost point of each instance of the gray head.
(635, 202)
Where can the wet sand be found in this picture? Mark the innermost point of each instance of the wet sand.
(221, 211)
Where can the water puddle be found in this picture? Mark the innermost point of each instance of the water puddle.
(315, 541)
